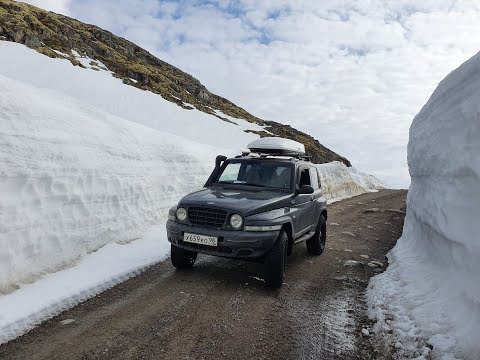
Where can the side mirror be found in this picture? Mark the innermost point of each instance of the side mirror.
(305, 189)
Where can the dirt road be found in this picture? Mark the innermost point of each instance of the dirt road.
(221, 309)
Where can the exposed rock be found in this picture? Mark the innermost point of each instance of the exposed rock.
(32, 42)
(349, 233)
(18, 35)
(375, 264)
(372, 210)
(351, 263)
(192, 88)
(135, 76)
(397, 211)
(203, 95)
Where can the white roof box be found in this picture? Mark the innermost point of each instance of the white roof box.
(276, 145)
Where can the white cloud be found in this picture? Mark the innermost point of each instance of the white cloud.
(351, 73)
(57, 6)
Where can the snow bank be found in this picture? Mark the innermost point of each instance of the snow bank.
(339, 181)
(73, 179)
(430, 293)
(62, 290)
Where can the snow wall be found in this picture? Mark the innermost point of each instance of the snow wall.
(430, 294)
(73, 179)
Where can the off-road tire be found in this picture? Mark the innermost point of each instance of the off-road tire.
(276, 262)
(316, 244)
(181, 258)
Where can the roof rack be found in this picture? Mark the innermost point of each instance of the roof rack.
(271, 154)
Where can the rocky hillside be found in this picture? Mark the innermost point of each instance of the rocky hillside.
(56, 35)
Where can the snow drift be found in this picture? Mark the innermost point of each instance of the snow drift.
(431, 289)
(88, 169)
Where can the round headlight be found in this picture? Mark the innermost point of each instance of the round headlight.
(181, 214)
(236, 221)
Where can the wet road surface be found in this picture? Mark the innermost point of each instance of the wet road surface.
(221, 309)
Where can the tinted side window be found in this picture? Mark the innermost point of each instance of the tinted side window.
(304, 177)
(314, 178)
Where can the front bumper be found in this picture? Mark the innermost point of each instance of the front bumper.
(233, 244)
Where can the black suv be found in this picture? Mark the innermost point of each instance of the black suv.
(255, 206)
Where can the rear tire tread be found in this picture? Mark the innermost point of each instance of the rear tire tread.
(316, 244)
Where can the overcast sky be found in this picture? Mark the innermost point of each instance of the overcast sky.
(351, 73)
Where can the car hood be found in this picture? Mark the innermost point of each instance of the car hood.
(247, 202)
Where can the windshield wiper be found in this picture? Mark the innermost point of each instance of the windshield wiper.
(251, 184)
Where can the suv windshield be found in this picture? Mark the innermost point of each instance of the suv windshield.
(266, 173)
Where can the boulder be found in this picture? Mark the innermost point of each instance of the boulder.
(33, 42)
(18, 36)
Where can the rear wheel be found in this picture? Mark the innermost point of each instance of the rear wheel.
(276, 262)
(316, 244)
(182, 258)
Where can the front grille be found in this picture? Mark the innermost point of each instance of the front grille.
(207, 217)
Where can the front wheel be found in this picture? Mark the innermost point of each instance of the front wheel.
(276, 262)
(316, 244)
(182, 258)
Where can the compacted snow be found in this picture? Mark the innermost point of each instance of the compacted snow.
(88, 169)
(429, 297)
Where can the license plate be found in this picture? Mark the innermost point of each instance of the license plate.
(200, 239)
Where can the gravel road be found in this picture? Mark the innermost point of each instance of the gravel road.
(221, 309)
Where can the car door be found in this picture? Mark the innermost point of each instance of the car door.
(303, 203)
(316, 196)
